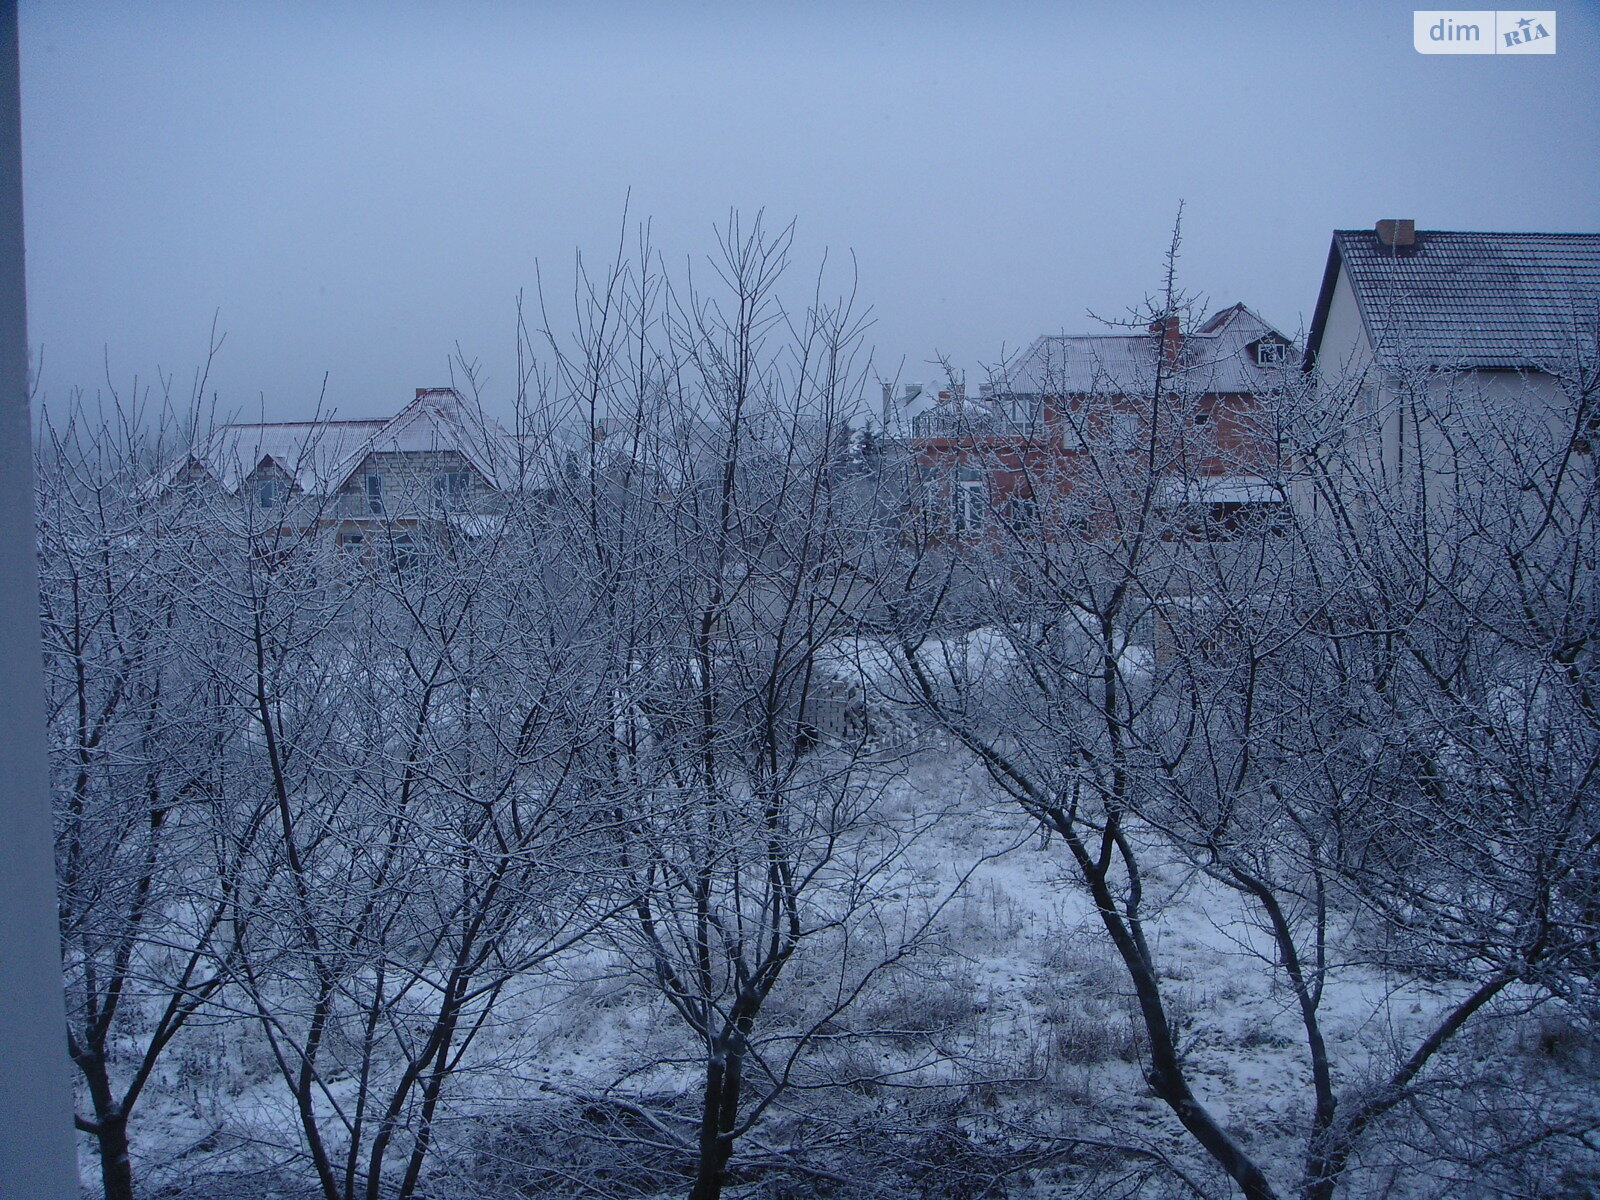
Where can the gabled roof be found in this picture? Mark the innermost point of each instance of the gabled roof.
(310, 453)
(320, 456)
(1241, 321)
(1215, 358)
(1488, 301)
(1070, 363)
(439, 419)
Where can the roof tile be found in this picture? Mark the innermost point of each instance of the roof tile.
(1477, 300)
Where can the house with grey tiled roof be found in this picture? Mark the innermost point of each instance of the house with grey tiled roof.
(1409, 321)
(1456, 301)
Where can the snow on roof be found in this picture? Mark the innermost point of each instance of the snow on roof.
(1061, 363)
(320, 456)
(1214, 357)
(311, 453)
(441, 419)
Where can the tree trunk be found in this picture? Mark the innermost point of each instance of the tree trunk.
(717, 1117)
(116, 1171)
(110, 1129)
(1166, 1076)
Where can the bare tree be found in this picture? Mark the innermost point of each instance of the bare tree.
(134, 763)
(1375, 714)
(716, 536)
(407, 840)
(347, 802)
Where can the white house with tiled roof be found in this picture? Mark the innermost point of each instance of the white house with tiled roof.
(1410, 323)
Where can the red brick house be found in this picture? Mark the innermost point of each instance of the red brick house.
(1078, 428)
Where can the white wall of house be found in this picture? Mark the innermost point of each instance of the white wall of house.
(1345, 353)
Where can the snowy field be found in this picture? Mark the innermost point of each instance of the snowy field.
(1003, 1058)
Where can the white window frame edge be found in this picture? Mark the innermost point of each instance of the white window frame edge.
(38, 1152)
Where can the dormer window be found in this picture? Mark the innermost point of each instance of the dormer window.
(1270, 352)
(269, 493)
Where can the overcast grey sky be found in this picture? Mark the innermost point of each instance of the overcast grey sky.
(358, 187)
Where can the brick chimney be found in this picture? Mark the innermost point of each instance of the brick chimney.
(1171, 337)
(1397, 234)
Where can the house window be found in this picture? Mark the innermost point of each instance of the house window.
(969, 507)
(969, 497)
(1075, 427)
(1021, 512)
(453, 485)
(375, 493)
(1023, 412)
(268, 493)
(351, 543)
(1268, 353)
(1584, 442)
(403, 552)
(1123, 428)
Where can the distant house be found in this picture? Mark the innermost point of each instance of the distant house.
(1409, 322)
(1198, 398)
(439, 459)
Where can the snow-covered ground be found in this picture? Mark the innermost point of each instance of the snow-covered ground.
(1007, 1047)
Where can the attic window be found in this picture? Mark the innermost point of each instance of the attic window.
(374, 489)
(269, 493)
(1271, 352)
(452, 485)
